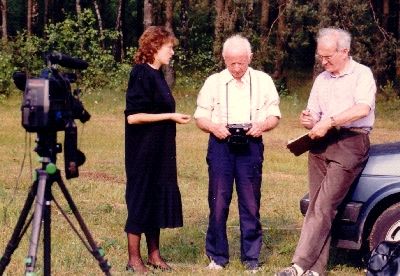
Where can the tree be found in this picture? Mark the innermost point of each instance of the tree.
(223, 25)
(169, 13)
(46, 12)
(78, 7)
(119, 53)
(4, 34)
(184, 30)
(147, 13)
(280, 40)
(100, 23)
(29, 18)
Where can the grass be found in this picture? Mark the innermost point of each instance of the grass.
(99, 191)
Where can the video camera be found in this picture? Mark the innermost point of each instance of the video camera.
(49, 106)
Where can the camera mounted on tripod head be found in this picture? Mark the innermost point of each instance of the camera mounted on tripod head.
(49, 106)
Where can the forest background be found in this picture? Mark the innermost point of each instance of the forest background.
(105, 33)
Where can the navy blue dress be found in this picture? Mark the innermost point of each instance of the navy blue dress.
(152, 194)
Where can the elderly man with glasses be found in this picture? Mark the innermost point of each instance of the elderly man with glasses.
(339, 115)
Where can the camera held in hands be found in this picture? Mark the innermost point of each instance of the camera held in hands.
(238, 135)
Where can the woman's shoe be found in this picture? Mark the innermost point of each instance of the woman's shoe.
(163, 266)
(139, 269)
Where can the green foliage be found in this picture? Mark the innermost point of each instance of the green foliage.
(389, 99)
(76, 37)
(27, 53)
(79, 37)
(6, 71)
(192, 68)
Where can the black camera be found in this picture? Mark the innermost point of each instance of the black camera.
(238, 135)
(49, 106)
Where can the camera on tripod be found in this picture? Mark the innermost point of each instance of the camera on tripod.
(49, 106)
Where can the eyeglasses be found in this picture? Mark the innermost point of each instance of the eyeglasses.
(327, 58)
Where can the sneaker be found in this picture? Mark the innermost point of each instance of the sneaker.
(252, 268)
(310, 273)
(214, 266)
(287, 271)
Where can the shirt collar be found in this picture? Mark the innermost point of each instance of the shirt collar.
(226, 77)
(348, 70)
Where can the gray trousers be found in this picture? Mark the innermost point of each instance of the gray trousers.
(333, 165)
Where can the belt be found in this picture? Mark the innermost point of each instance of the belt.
(359, 130)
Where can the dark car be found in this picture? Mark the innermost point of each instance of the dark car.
(370, 212)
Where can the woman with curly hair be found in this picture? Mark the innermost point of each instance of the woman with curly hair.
(152, 194)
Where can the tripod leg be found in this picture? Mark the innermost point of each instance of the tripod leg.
(36, 223)
(96, 251)
(17, 234)
(47, 231)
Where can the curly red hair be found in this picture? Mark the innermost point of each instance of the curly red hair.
(152, 39)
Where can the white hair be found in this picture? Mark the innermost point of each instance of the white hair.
(236, 42)
(343, 38)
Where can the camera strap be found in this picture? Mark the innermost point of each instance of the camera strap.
(227, 101)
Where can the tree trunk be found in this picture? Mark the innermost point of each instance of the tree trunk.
(264, 19)
(280, 41)
(224, 25)
(78, 7)
(100, 22)
(261, 54)
(184, 38)
(323, 22)
(249, 18)
(119, 53)
(140, 19)
(147, 13)
(4, 34)
(35, 16)
(46, 12)
(169, 72)
(29, 18)
(385, 14)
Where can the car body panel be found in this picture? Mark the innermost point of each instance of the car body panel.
(378, 187)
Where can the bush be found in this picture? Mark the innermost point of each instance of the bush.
(6, 71)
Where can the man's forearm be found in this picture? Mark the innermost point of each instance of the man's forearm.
(352, 114)
(270, 123)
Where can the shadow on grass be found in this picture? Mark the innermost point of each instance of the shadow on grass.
(339, 257)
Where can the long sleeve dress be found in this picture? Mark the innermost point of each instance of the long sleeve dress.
(152, 194)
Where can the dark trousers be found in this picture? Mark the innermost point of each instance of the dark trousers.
(244, 166)
(333, 166)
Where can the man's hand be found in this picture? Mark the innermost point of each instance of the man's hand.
(219, 130)
(306, 119)
(256, 130)
(320, 129)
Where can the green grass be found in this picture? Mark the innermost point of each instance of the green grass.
(99, 191)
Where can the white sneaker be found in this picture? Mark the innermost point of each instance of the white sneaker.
(311, 273)
(214, 266)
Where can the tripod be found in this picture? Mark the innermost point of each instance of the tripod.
(41, 190)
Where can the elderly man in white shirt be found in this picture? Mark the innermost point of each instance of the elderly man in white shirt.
(236, 106)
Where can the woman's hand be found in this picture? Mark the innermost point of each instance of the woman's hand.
(180, 118)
